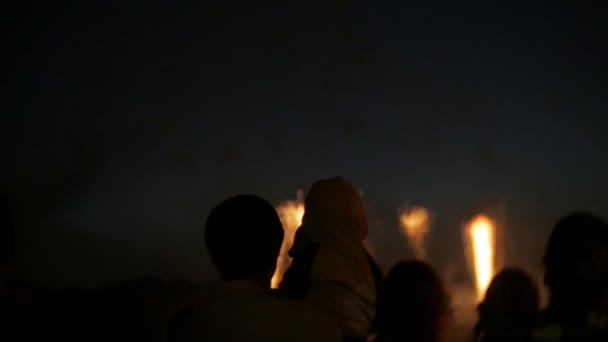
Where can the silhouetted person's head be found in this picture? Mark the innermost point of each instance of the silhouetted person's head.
(511, 301)
(334, 210)
(414, 306)
(243, 235)
(576, 262)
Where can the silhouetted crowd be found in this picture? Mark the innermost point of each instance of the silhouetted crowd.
(333, 290)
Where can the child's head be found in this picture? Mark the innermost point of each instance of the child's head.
(334, 208)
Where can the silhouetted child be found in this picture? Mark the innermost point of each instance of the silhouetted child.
(509, 307)
(414, 306)
(331, 268)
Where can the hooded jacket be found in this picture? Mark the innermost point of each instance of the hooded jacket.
(331, 268)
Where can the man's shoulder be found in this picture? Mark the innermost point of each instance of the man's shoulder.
(290, 315)
(256, 316)
(181, 322)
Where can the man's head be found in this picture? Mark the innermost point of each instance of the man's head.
(576, 260)
(243, 235)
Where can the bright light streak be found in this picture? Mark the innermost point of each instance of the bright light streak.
(291, 213)
(415, 224)
(480, 233)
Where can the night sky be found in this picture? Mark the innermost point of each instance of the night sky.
(134, 120)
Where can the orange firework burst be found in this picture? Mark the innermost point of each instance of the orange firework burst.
(415, 223)
(480, 239)
(291, 213)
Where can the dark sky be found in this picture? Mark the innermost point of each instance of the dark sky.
(134, 120)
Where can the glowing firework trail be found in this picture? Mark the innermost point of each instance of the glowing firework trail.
(480, 238)
(415, 223)
(291, 213)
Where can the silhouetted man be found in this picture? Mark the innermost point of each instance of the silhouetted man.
(243, 236)
(576, 273)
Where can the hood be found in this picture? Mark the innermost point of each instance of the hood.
(333, 210)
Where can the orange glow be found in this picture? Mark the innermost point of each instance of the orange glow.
(480, 233)
(291, 213)
(415, 225)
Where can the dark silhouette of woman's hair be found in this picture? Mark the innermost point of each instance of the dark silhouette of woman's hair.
(511, 301)
(414, 304)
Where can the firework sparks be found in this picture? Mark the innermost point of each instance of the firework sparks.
(415, 224)
(480, 238)
(291, 213)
